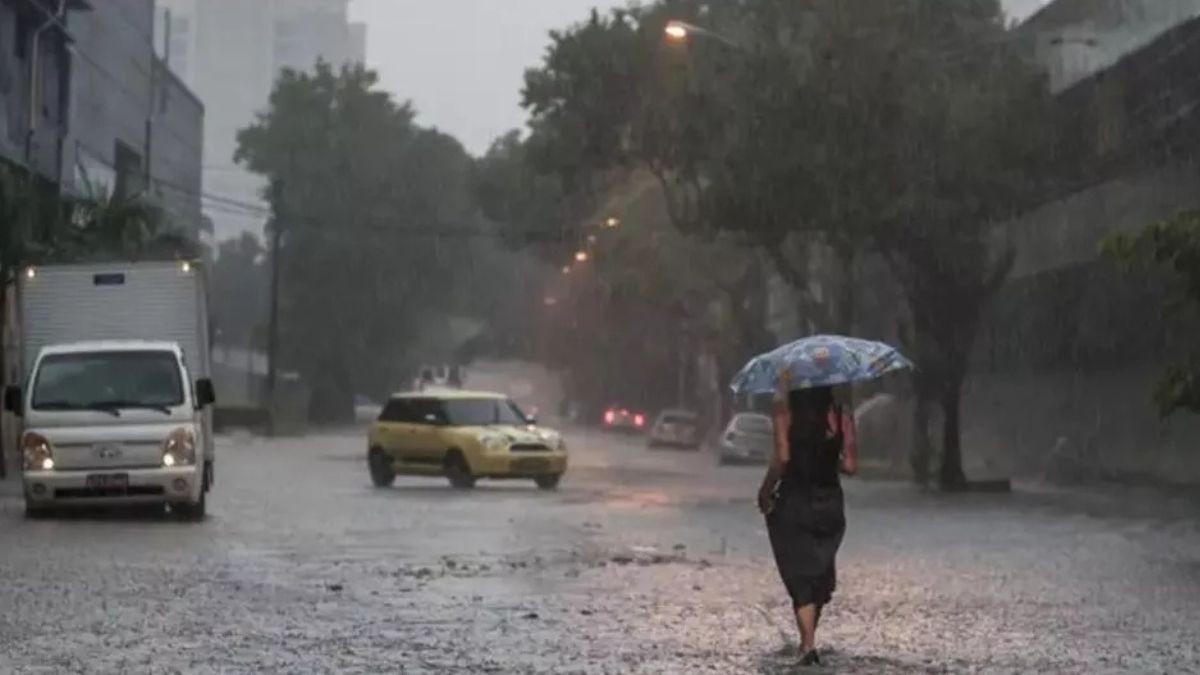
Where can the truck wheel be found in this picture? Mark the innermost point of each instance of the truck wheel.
(192, 511)
(380, 466)
(458, 472)
(548, 482)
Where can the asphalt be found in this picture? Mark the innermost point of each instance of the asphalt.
(643, 562)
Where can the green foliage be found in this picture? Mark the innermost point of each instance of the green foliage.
(362, 197)
(903, 128)
(1172, 245)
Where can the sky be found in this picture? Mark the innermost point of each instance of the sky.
(462, 62)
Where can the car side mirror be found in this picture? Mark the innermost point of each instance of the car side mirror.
(12, 400)
(205, 394)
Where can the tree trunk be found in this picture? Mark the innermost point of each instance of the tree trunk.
(3, 368)
(922, 448)
(847, 291)
(951, 477)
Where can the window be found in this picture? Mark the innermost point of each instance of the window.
(427, 411)
(104, 380)
(130, 181)
(397, 410)
(483, 412)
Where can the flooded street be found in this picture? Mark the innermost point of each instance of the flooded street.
(642, 562)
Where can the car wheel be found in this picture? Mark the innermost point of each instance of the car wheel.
(548, 482)
(192, 511)
(380, 466)
(458, 472)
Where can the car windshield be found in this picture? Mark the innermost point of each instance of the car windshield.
(753, 424)
(100, 380)
(477, 412)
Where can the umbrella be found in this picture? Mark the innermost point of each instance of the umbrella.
(819, 361)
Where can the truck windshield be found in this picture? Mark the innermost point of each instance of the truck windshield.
(108, 380)
(482, 412)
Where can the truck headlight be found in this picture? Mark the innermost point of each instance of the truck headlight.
(180, 448)
(37, 453)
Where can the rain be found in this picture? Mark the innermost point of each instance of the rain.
(595, 336)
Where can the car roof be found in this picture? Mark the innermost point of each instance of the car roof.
(450, 394)
(113, 346)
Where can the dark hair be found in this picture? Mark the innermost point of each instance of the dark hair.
(810, 410)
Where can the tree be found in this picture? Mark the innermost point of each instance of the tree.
(239, 282)
(1173, 246)
(366, 203)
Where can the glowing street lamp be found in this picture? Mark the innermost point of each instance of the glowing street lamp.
(612, 222)
(677, 31)
(566, 269)
(681, 31)
(582, 256)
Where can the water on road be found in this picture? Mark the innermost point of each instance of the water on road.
(642, 562)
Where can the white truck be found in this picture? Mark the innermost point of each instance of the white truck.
(116, 403)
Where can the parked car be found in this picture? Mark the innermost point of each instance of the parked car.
(676, 428)
(748, 439)
(366, 410)
(621, 418)
(463, 436)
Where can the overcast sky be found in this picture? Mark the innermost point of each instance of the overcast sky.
(461, 62)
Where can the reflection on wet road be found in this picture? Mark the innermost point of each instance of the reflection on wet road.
(643, 562)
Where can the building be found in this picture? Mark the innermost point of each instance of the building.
(135, 127)
(230, 53)
(35, 84)
(1079, 38)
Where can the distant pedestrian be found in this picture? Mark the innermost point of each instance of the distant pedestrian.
(801, 497)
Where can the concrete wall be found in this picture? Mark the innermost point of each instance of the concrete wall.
(111, 92)
(177, 151)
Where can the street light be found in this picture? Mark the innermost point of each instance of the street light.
(566, 269)
(582, 256)
(681, 31)
(677, 31)
(612, 222)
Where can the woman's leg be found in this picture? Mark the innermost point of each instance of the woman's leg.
(806, 618)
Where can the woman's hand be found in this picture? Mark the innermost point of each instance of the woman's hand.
(766, 499)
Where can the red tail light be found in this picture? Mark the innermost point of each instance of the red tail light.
(639, 420)
(609, 417)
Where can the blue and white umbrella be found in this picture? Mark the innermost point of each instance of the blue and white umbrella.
(819, 361)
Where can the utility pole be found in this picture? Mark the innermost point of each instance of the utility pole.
(273, 316)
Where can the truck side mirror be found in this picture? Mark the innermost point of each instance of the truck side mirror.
(12, 400)
(205, 394)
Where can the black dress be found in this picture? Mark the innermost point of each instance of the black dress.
(808, 521)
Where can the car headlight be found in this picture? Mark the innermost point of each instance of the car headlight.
(494, 442)
(37, 453)
(180, 448)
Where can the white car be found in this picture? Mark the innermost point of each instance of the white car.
(749, 439)
(676, 428)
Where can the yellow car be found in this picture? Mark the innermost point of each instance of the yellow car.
(463, 436)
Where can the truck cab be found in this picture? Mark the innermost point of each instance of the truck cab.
(114, 422)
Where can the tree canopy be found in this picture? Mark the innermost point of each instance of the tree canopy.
(366, 203)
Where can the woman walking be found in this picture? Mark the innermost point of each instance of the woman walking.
(801, 497)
